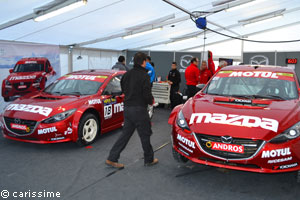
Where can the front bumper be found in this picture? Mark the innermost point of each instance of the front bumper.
(14, 90)
(37, 132)
(267, 158)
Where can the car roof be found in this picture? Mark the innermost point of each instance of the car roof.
(103, 72)
(270, 68)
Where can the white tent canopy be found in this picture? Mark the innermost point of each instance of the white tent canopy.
(102, 24)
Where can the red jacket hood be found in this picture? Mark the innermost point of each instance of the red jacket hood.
(24, 76)
(212, 116)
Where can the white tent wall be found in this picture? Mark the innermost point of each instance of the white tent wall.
(84, 58)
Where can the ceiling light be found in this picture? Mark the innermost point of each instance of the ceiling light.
(142, 33)
(59, 11)
(182, 41)
(242, 4)
(262, 21)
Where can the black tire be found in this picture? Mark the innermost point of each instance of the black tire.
(298, 176)
(88, 122)
(6, 99)
(178, 157)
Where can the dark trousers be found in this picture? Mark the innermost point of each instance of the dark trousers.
(192, 90)
(135, 117)
(173, 95)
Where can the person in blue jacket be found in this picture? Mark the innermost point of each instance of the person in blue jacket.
(151, 71)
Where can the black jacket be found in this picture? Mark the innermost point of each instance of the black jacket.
(136, 86)
(175, 77)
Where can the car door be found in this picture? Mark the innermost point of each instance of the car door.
(112, 102)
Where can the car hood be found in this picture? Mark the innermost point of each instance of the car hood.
(24, 76)
(41, 106)
(261, 119)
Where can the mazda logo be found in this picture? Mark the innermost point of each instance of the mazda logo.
(185, 61)
(226, 139)
(259, 60)
(17, 121)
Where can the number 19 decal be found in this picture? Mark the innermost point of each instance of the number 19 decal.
(107, 111)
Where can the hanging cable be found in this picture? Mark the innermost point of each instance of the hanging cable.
(238, 38)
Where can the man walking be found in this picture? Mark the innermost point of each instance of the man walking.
(192, 77)
(135, 85)
(120, 65)
(174, 80)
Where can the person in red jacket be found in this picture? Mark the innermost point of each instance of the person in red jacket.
(192, 77)
(205, 73)
(211, 64)
(222, 64)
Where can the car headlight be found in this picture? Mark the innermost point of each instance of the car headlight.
(38, 80)
(182, 123)
(288, 134)
(59, 117)
(7, 82)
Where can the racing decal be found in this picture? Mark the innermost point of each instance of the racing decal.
(16, 78)
(59, 138)
(235, 120)
(30, 108)
(285, 166)
(257, 74)
(47, 130)
(186, 141)
(19, 127)
(107, 111)
(189, 150)
(276, 153)
(85, 77)
(280, 160)
(225, 147)
(119, 107)
(68, 131)
(30, 62)
(94, 101)
(109, 101)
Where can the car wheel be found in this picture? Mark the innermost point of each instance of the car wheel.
(178, 157)
(88, 129)
(6, 99)
(150, 111)
(298, 176)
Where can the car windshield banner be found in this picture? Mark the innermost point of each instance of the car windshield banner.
(257, 74)
(84, 77)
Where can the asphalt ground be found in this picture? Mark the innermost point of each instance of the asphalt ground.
(80, 173)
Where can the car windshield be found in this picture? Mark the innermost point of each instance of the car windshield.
(31, 67)
(73, 87)
(282, 88)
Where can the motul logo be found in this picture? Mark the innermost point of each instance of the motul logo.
(235, 120)
(186, 141)
(276, 153)
(254, 74)
(47, 130)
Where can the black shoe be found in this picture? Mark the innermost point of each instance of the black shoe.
(154, 162)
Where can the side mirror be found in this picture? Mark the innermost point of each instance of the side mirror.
(200, 86)
(11, 70)
(116, 94)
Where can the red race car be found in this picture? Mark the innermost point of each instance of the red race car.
(76, 107)
(28, 75)
(246, 118)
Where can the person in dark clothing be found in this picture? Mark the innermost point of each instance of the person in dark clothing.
(136, 87)
(120, 65)
(192, 77)
(174, 80)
